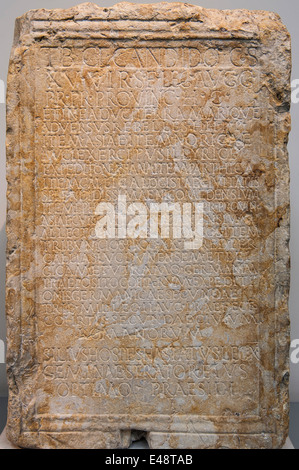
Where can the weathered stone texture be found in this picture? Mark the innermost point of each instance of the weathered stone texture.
(143, 330)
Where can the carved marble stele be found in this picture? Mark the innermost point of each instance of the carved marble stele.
(148, 228)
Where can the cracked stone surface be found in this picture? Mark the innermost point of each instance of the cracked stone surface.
(148, 228)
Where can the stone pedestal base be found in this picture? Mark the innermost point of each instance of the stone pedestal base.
(5, 444)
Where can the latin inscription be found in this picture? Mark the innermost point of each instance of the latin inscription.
(145, 317)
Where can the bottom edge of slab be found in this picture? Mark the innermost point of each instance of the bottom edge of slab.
(156, 440)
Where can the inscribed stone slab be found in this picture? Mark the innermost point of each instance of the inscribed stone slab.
(148, 227)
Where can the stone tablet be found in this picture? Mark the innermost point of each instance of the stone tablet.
(148, 228)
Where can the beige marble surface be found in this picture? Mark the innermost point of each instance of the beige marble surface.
(124, 125)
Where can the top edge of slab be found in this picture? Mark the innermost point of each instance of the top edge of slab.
(242, 19)
(180, 21)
